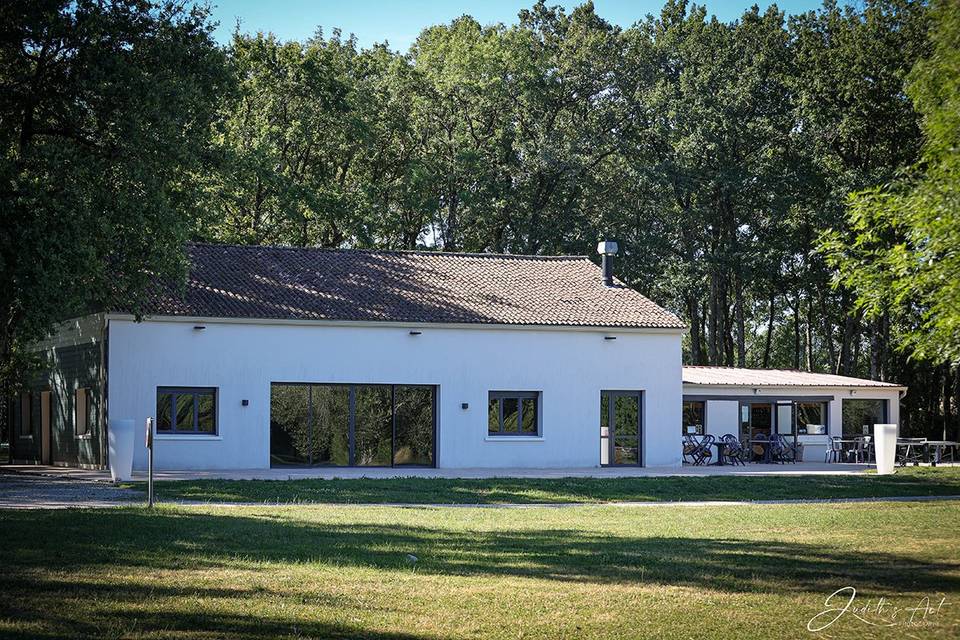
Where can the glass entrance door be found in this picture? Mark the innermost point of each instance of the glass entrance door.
(761, 420)
(621, 428)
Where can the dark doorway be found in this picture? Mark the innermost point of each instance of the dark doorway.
(352, 425)
(756, 419)
(621, 428)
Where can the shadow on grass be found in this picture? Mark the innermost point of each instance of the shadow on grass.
(907, 482)
(193, 541)
(122, 618)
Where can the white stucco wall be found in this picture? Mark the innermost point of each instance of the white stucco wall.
(723, 415)
(569, 368)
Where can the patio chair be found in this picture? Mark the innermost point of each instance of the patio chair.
(704, 451)
(734, 450)
(943, 450)
(860, 450)
(759, 448)
(910, 450)
(834, 451)
(690, 445)
(784, 450)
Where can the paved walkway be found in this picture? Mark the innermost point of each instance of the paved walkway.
(329, 473)
(35, 491)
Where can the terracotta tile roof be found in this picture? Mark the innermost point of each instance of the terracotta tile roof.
(732, 376)
(230, 281)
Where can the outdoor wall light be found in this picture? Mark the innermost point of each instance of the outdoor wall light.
(464, 405)
(199, 327)
(609, 337)
(415, 333)
(245, 402)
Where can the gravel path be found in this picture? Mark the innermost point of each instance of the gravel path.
(23, 491)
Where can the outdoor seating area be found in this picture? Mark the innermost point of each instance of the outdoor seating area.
(860, 449)
(728, 449)
(778, 449)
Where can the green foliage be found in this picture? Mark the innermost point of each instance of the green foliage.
(904, 253)
(714, 152)
(104, 114)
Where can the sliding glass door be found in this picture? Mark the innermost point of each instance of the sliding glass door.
(352, 425)
(373, 426)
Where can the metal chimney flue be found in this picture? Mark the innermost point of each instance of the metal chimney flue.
(607, 250)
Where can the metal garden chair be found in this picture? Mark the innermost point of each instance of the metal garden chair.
(735, 451)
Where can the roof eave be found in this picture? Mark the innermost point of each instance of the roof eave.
(399, 324)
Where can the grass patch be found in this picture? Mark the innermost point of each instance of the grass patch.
(911, 481)
(582, 572)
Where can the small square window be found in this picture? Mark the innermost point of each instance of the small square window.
(185, 410)
(513, 413)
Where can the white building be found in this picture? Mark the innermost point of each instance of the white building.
(810, 406)
(285, 356)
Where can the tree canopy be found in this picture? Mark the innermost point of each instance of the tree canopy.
(720, 155)
(105, 111)
(904, 254)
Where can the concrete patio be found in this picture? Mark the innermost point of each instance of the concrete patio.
(329, 473)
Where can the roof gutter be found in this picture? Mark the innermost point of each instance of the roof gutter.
(394, 324)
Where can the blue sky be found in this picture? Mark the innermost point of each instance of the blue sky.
(400, 21)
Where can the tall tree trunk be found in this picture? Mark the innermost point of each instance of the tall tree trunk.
(796, 331)
(955, 433)
(693, 312)
(844, 366)
(713, 322)
(809, 333)
(828, 333)
(875, 349)
(741, 327)
(727, 328)
(946, 404)
(856, 338)
(769, 340)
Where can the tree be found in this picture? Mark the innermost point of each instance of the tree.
(856, 127)
(287, 142)
(904, 254)
(105, 109)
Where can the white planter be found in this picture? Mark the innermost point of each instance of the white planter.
(120, 439)
(885, 443)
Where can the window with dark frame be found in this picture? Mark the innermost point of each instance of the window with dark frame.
(513, 413)
(860, 414)
(318, 424)
(26, 414)
(694, 412)
(811, 416)
(187, 411)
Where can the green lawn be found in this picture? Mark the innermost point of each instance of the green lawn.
(579, 572)
(911, 481)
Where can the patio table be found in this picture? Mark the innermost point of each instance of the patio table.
(721, 459)
(852, 442)
(765, 457)
(938, 446)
